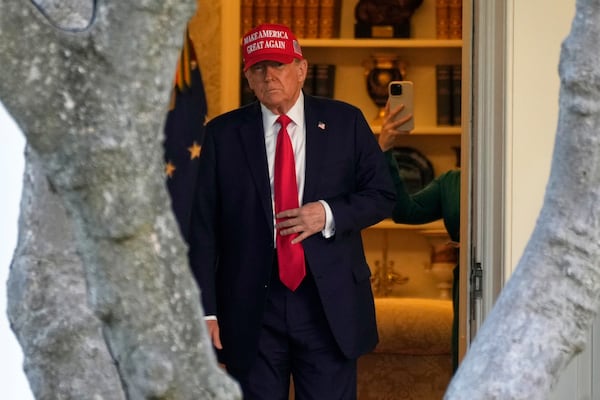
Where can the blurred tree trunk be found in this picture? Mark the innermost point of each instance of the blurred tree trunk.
(100, 294)
(542, 316)
(65, 352)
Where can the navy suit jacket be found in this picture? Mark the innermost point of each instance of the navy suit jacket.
(231, 246)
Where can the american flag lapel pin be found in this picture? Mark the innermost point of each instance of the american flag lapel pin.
(321, 125)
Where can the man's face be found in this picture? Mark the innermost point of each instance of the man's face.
(277, 85)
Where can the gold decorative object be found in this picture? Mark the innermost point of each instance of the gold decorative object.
(380, 70)
(384, 18)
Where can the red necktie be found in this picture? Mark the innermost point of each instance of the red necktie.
(289, 256)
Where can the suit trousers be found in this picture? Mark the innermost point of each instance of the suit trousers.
(296, 341)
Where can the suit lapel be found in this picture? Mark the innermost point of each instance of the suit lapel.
(316, 148)
(317, 142)
(252, 138)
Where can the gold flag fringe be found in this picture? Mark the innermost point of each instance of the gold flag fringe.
(185, 64)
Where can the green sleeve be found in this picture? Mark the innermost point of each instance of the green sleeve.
(421, 207)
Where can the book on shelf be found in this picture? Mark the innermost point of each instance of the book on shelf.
(443, 75)
(456, 85)
(299, 18)
(246, 15)
(311, 12)
(309, 81)
(259, 12)
(442, 19)
(455, 19)
(285, 12)
(327, 17)
(324, 80)
(272, 12)
(448, 94)
(306, 18)
(320, 80)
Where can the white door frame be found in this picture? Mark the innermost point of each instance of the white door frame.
(488, 155)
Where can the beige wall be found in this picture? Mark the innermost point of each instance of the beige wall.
(532, 105)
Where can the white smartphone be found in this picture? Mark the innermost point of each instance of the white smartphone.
(401, 92)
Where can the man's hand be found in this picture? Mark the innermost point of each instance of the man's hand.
(213, 332)
(306, 221)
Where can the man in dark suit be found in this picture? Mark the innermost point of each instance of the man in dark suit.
(243, 240)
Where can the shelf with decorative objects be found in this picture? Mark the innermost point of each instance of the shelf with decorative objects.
(430, 228)
(427, 130)
(382, 43)
(359, 35)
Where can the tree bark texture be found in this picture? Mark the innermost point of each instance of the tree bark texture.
(65, 353)
(542, 316)
(88, 83)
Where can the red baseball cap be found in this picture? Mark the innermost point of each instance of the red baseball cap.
(270, 42)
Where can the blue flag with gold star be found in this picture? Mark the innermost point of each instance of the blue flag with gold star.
(184, 132)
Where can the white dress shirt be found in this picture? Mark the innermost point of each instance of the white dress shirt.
(297, 131)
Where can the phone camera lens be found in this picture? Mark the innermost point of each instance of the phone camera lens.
(396, 90)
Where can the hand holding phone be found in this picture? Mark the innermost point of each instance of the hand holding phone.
(401, 92)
